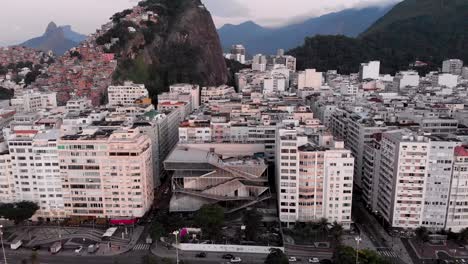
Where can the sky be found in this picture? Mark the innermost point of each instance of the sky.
(25, 19)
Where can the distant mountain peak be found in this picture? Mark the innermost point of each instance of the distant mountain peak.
(59, 39)
(51, 27)
(266, 40)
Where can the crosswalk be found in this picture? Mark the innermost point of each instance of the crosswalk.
(141, 247)
(387, 252)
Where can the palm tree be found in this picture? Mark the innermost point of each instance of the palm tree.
(323, 227)
(337, 232)
(423, 235)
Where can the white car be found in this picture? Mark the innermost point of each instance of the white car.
(314, 260)
(236, 260)
(78, 250)
(292, 259)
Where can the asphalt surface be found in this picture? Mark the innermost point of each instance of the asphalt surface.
(133, 257)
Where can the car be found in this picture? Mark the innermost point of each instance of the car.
(201, 255)
(228, 256)
(314, 260)
(36, 248)
(78, 250)
(236, 260)
(292, 259)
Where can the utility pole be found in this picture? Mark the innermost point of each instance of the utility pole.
(358, 240)
(3, 247)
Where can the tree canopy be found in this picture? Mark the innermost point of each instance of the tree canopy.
(18, 212)
(276, 256)
(210, 218)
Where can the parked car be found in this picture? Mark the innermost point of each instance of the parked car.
(228, 256)
(292, 259)
(93, 248)
(236, 260)
(201, 255)
(79, 249)
(314, 260)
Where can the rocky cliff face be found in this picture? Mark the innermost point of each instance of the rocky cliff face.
(180, 45)
(54, 39)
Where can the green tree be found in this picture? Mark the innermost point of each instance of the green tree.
(337, 232)
(463, 236)
(344, 255)
(323, 227)
(422, 234)
(157, 230)
(210, 218)
(347, 255)
(18, 212)
(252, 219)
(276, 256)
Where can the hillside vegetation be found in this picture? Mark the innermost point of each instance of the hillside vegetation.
(425, 30)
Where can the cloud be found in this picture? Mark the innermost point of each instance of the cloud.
(227, 8)
(275, 13)
(26, 19)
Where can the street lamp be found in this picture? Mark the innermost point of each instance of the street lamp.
(176, 234)
(3, 248)
(358, 240)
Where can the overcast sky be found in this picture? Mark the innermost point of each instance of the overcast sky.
(24, 19)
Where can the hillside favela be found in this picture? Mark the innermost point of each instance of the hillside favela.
(234, 131)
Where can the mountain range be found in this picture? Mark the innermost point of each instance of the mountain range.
(58, 39)
(426, 30)
(258, 39)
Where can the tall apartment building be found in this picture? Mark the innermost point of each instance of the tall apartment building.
(106, 174)
(457, 213)
(259, 63)
(414, 179)
(162, 129)
(36, 171)
(405, 79)
(314, 178)
(309, 78)
(453, 66)
(6, 176)
(370, 70)
(126, 94)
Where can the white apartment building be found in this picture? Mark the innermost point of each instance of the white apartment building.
(216, 94)
(259, 63)
(402, 178)
(370, 70)
(78, 104)
(448, 80)
(309, 78)
(32, 101)
(405, 79)
(275, 83)
(453, 66)
(107, 174)
(414, 179)
(314, 179)
(184, 88)
(6, 176)
(36, 171)
(126, 94)
(457, 213)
